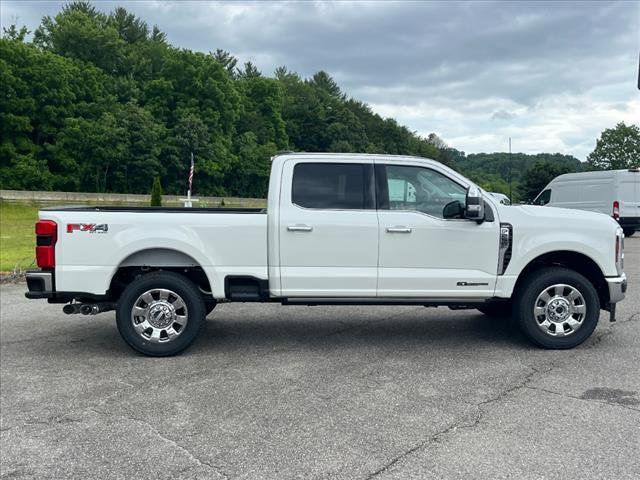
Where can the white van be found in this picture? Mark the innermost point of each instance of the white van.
(612, 192)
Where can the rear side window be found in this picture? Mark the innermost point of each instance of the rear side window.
(343, 186)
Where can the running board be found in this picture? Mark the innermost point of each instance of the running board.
(427, 302)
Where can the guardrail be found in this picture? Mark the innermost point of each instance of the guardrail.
(122, 198)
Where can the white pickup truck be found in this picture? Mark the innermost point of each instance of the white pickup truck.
(338, 229)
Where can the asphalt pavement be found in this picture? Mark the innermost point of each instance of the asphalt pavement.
(274, 391)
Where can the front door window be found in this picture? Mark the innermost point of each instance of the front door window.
(421, 189)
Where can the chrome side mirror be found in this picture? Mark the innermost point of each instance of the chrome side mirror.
(475, 205)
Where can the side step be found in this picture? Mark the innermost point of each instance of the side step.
(246, 289)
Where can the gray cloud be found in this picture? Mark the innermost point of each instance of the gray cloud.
(550, 74)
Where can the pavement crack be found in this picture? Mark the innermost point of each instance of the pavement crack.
(456, 426)
(568, 395)
(52, 420)
(432, 439)
(193, 457)
(633, 317)
(522, 384)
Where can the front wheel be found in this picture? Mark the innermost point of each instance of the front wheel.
(628, 232)
(160, 314)
(557, 308)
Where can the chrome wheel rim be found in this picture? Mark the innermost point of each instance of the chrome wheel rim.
(560, 310)
(159, 315)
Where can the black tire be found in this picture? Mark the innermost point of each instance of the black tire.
(534, 285)
(628, 232)
(497, 309)
(188, 293)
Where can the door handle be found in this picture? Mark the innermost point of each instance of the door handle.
(299, 228)
(398, 229)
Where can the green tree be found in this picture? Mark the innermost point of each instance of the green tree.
(617, 148)
(249, 71)
(80, 31)
(100, 101)
(156, 193)
(323, 81)
(227, 61)
(537, 176)
(13, 33)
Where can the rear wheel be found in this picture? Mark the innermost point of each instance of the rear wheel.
(160, 314)
(557, 308)
(628, 232)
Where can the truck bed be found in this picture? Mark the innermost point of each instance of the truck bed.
(92, 208)
(93, 242)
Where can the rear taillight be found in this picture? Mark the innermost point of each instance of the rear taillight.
(46, 236)
(616, 210)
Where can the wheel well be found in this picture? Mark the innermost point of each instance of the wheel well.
(573, 261)
(158, 259)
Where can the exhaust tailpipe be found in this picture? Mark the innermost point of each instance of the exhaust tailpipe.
(88, 308)
(71, 308)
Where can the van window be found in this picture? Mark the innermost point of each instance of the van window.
(342, 186)
(543, 198)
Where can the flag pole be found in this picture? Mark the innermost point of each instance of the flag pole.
(188, 202)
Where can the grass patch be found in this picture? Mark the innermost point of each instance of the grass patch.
(17, 236)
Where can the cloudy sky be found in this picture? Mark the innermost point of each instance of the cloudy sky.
(550, 75)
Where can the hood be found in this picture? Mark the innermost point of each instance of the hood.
(558, 218)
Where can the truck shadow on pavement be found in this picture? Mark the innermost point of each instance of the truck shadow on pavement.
(271, 331)
(462, 331)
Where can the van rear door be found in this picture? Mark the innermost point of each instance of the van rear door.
(629, 193)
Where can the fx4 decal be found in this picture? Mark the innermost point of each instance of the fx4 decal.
(470, 284)
(87, 227)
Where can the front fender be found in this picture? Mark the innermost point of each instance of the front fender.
(527, 248)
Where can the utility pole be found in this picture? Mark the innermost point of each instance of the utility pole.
(510, 193)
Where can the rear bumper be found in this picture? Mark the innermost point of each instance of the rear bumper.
(41, 284)
(617, 288)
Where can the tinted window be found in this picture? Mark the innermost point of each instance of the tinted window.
(421, 189)
(543, 198)
(332, 186)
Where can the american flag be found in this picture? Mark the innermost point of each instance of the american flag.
(191, 173)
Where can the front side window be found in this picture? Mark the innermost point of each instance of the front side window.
(344, 186)
(543, 198)
(421, 189)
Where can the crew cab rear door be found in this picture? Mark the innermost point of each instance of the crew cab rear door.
(328, 229)
(423, 254)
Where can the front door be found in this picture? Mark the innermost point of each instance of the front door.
(423, 254)
(328, 230)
